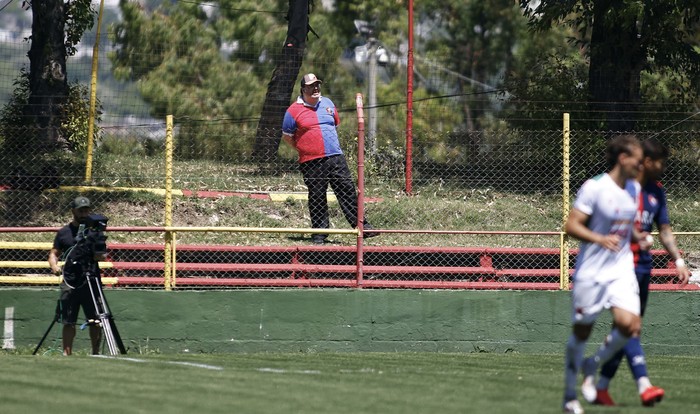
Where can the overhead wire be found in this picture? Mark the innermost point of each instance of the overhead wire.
(6, 4)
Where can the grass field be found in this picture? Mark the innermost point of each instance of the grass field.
(319, 383)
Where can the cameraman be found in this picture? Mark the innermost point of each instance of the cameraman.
(75, 291)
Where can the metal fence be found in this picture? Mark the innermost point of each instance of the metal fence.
(464, 235)
(485, 206)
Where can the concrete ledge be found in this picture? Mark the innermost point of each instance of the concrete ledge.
(337, 320)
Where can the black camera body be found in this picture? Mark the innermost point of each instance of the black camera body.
(90, 241)
(95, 226)
(95, 221)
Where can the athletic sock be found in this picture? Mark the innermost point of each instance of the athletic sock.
(573, 360)
(603, 382)
(642, 384)
(607, 372)
(635, 358)
(612, 344)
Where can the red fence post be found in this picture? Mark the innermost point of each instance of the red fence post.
(409, 103)
(360, 184)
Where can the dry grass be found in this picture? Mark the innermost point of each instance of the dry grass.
(435, 206)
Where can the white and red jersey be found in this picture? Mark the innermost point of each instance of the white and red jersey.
(611, 210)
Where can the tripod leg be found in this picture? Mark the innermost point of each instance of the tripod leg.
(118, 339)
(96, 305)
(109, 334)
(114, 332)
(43, 338)
(114, 342)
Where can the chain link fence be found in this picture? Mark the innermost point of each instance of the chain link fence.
(485, 207)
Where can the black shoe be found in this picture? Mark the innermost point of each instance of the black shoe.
(318, 238)
(368, 233)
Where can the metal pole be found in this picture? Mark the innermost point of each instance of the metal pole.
(372, 97)
(169, 271)
(360, 185)
(565, 178)
(409, 103)
(93, 96)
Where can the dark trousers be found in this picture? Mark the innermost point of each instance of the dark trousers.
(318, 174)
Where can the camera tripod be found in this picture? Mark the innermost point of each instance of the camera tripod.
(104, 318)
(109, 328)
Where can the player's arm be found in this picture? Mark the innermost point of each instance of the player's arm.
(669, 241)
(336, 116)
(576, 227)
(289, 127)
(288, 139)
(643, 239)
(54, 254)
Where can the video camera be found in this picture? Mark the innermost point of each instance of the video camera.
(89, 242)
(95, 221)
(93, 234)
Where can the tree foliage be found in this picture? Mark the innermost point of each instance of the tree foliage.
(47, 112)
(211, 62)
(198, 66)
(79, 17)
(624, 40)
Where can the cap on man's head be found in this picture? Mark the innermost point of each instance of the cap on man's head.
(310, 79)
(80, 202)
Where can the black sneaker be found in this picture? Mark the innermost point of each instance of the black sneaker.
(318, 238)
(368, 233)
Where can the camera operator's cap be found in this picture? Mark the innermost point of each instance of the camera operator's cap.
(80, 202)
(310, 79)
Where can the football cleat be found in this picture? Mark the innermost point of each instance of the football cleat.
(588, 386)
(651, 396)
(572, 406)
(603, 398)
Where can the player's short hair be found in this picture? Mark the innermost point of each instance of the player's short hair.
(621, 144)
(654, 149)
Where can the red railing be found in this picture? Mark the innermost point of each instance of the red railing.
(217, 266)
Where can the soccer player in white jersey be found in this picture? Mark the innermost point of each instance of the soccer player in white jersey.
(602, 218)
(651, 209)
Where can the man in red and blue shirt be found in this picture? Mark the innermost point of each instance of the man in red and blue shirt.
(651, 209)
(310, 127)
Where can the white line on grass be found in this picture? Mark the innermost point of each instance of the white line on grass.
(288, 371)
(189, 364)
(9, 335)
(196, 365)
(361, 371)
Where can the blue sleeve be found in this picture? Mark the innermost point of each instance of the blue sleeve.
(632, 188)
(662, 217)
(289, 124)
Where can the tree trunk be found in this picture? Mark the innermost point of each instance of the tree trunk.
(48, 83)
(281, 86)
(617, 60)
(279, 90)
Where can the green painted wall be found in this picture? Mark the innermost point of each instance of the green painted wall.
(308, 320)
